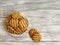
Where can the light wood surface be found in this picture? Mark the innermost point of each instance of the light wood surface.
(41, 14)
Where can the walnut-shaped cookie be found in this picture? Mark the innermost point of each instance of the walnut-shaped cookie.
(34, 34)
(16, 23)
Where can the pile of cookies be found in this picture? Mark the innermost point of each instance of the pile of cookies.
(35, 35)
(18, 24)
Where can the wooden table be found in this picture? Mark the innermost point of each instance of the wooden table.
(41, 14)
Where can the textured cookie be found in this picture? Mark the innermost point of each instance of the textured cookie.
(36, 37)
(16, 23)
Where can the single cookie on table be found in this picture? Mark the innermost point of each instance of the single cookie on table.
(34, 34)
(16, 23)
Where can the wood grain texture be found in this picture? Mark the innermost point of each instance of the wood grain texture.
(30, 4)
(41, 14)
(46, 21)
